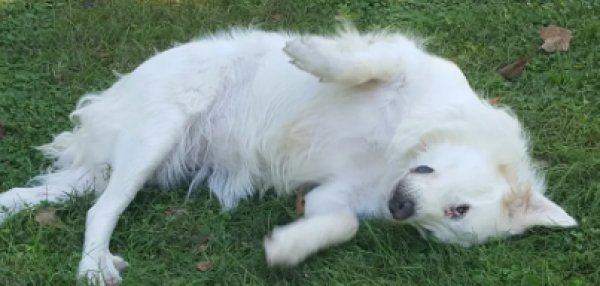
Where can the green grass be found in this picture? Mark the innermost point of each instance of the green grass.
(51, 52)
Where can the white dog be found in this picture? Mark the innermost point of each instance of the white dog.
(383, 128)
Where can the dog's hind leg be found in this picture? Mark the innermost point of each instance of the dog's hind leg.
(53, 187)
(329, 220)
(351, 58)
(138, 153)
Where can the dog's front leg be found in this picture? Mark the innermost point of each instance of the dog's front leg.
(352, 59)
(328, 221)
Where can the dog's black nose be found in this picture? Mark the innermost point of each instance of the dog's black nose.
(401, 207)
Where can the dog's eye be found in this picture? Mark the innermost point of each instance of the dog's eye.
(456, 212)
(422, 170)
(462, 209)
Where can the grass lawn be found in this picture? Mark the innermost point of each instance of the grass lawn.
(51, 52)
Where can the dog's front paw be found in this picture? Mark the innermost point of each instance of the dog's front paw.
(101, 269)
(283, 248)
(306, 54)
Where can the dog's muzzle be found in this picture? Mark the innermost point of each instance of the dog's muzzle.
(401, 206)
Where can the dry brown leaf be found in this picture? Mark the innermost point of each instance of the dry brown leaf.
(300, 203)
(300, 192)
(203, 266)
(104, 56)
(172, 212)
(556, 39)
(46, 216)
(514, 70)
(277, 17)
(495, 101)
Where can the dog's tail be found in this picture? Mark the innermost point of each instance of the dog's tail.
(60, 150)
(78, 164)
(68, 147)
(79, 157)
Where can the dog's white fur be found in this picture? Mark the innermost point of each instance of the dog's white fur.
(353, 113)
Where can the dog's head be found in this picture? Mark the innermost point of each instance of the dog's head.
(461, 195)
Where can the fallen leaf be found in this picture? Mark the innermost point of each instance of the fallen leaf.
(172, 212)
(104, 56)
(556, 39)
(46, 216)
(203, 266)
(495, 101)
(513, 70)
(277, 17)
(300, 203)
(300, 192)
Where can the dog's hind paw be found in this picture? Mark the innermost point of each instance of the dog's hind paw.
(101, 269)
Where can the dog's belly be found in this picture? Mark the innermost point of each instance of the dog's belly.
(257, 122)
(232, 144)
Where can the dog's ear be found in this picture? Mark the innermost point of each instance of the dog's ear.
(534, 209)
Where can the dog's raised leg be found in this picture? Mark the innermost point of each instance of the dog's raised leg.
(137, 155)
(328, 221)
(351, 58)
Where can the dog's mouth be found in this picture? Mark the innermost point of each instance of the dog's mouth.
(401, 205)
